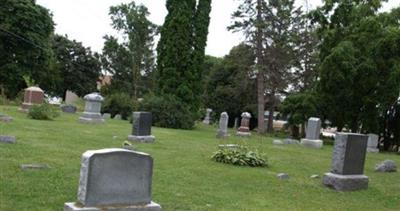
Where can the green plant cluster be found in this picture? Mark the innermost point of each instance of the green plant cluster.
(119, 103)
(168, 111)
(43, 112)
(241, 156)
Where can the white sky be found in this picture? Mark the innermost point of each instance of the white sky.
(87, 21)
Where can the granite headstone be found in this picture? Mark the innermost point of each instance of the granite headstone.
(348, 163)
(244, 129)
(92, 109)
(33, 95)
(141, 127)
(372, 143)
(223, 125)
(114, 179)
(312, 133)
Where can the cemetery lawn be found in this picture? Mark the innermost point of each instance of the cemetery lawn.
(185, 178)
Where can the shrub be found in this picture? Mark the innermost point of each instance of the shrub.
(240, 156)
(43, 112)
(119, 103)
(168, 112)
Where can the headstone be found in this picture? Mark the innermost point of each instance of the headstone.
(92, 109)
(71, 98)
(236, 124)
(244, 129)
(106, 116)
(34, 166)
(33, 95)
(348, 163)
(312, 134)
(207, 119)
(7, 139)
(141, 128)
(114, 179)
(71, 109)
(372, 143)
(223, 125)
(282, 176)
(386, 166)
(290, 141)
(117, 117)
(5, 118)
(277, 142)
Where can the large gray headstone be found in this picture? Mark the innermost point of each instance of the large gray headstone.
(223, 125)
(313, 128)
(92, 109)
(141, 127)
(348, 163)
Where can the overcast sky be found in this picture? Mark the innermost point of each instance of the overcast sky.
(87, 21)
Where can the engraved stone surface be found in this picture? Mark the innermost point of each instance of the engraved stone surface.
(115, 177)
(223, 125)
(92, 109)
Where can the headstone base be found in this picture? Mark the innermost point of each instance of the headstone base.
(243, 134)
(141, 139)
(71, 206)
(345, 182)
(373, 150)
(312, 143)
(91, 120)
(7, 139)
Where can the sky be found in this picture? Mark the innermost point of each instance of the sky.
(87, 21)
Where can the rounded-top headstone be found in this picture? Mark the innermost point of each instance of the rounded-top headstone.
(93, 97)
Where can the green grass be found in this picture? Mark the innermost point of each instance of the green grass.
(185, 178)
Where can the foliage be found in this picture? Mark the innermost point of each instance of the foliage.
(359, 71)
(229, 86)
(25, 46)
(240, 156)
(131, 62)
(78, 66)
(119, 103)
(168, 111)
(43, 111)
(299, 107)
(180, 51)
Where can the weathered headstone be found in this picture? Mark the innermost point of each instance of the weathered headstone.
(71, 109)
(207, 119)
(7, 139)
(34, 166)
(117, 117)
(223, 126)
(92, 109)
(312, 133)
(244, 129)
(282, 176)
(5, 118)
(347, 172)
(236, 123)
(33, 95)
(372, 143)
(141, 128)
(386, 166)
(106, 116)
(114, 179)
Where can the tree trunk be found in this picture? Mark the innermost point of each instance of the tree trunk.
(271, 113)
(260, 74)
(303, 130)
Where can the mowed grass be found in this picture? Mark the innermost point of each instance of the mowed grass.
(185, 178)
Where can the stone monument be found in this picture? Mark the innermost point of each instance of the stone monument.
(68, 108)
(244, 129)
(92, 109)
(33, 95)
(372, 143)
(114, 179)
(348, 159)
(223, 126)
(207, 119)
(312, 133)
(141, 128)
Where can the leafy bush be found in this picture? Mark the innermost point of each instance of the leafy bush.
(168, 112)
(240, 156)
(43, 112)
(119, 103)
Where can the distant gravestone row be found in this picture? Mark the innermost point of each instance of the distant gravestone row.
(114, 179)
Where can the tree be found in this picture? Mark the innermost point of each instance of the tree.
(132, 61)
(359, 69)
(79, 67)
(270, 29)
(230, 84)
(181, 51)
(25, 46)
